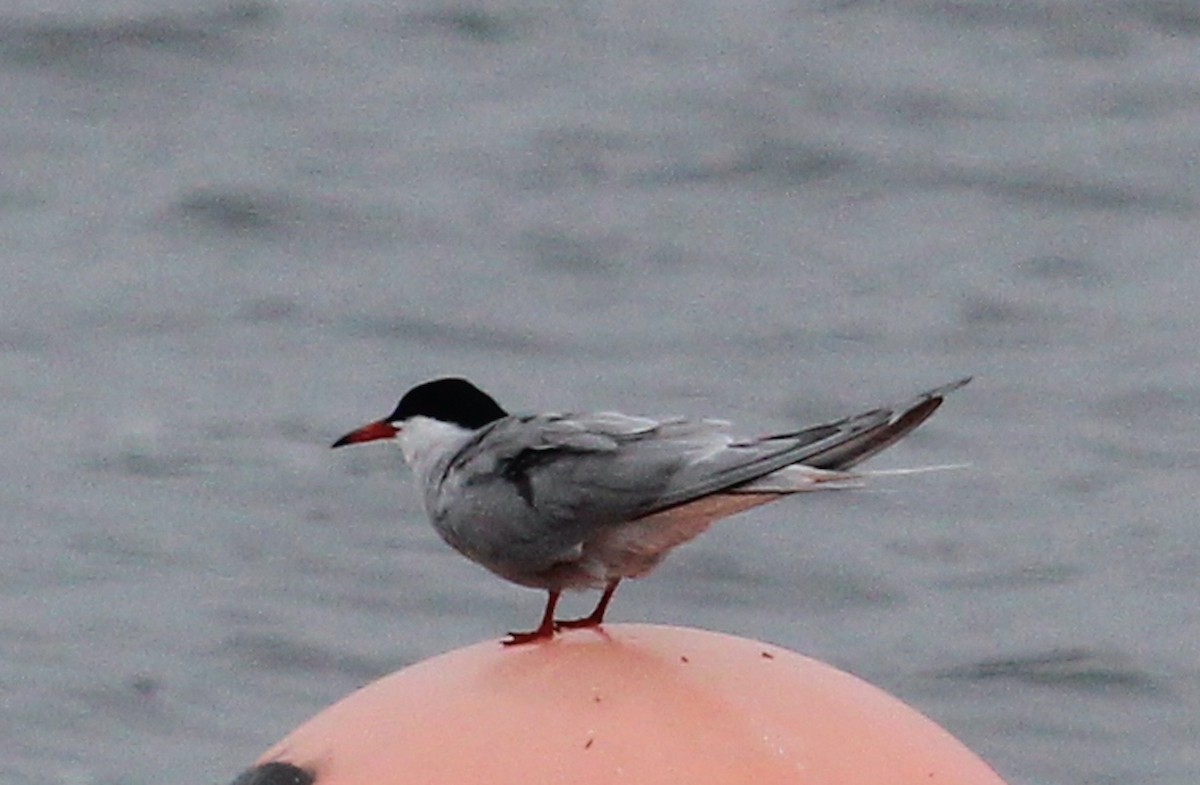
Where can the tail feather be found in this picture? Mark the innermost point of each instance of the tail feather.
(799, 478)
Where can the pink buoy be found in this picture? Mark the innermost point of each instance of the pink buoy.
(624, 703)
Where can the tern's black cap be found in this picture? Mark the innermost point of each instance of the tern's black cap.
(449, 400)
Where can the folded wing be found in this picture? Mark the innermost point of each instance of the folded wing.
(620, 491)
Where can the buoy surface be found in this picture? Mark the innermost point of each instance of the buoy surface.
(625, 703)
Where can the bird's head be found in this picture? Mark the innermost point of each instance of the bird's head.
(454, 402)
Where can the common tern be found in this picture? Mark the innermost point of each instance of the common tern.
(583, 501)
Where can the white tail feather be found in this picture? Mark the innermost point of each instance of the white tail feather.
(914, 470)
(800, 479)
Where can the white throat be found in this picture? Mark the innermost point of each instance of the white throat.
(426, 441)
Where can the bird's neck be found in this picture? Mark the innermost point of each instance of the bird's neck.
(426, 442)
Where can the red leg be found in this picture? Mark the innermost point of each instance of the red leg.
(544, 630)
(596, 617)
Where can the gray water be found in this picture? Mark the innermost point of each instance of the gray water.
(231, 232)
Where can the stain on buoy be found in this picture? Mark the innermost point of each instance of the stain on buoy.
(275, 773)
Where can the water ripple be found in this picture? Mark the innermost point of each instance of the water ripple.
(80, 45)
(1072, 668)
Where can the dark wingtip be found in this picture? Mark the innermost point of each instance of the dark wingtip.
(901, 421)
(946, 389)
